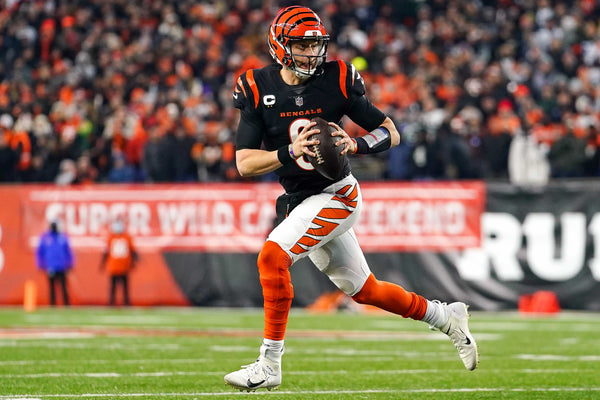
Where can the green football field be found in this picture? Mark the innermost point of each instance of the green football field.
(183, 353)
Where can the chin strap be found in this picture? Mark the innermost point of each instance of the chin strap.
(300, 75)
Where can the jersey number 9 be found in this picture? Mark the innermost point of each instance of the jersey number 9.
(295, 128)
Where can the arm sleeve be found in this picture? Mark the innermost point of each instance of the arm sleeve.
(360, 109)
(365, 114)
(250, 131)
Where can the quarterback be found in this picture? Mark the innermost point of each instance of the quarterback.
(316, 215)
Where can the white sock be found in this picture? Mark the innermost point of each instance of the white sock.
(273, 349)
(435, 315)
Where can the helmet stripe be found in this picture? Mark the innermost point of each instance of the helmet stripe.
(297, 19)
(285, 11)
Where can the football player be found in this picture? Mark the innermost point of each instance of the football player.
(315, 215)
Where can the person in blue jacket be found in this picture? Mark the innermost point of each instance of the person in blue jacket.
(54, 256)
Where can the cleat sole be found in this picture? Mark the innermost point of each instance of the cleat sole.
(249, 390)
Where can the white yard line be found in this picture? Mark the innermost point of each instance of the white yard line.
(111, 374)
(557, 357)
(91, 361)
(51, 344)
(100, 374)
(305, 392)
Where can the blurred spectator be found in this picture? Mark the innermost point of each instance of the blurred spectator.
(419, 160)
(8, 161)
(47, 159)
(54, 257)
(567, 156)
(85, 171)
(504, 120)
(399, 163)
(121, 172)
(527, 162)
(455, 152)
(95, 79)
(67, 173)
(214, 154)
(185, 169)
(592, 153)
(155, 162)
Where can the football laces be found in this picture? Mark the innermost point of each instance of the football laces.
(315, 149)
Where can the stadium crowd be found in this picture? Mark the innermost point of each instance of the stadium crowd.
(140, 91)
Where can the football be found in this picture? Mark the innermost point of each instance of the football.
(328, 161)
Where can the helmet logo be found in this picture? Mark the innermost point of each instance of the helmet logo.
(313, 33)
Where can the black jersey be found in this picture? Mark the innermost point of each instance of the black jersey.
(273, 114)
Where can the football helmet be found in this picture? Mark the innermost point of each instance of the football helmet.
(294, 24)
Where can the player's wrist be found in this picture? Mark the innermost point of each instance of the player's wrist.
(376, 141)
(361, 146)
(284, 155)
(355, 149)
(291, 151)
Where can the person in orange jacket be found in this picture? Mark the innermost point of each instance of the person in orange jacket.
(119, 259)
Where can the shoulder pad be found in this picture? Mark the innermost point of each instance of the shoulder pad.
(351, 83)
(246, 90)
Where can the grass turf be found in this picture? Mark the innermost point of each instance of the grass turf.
(183, 353)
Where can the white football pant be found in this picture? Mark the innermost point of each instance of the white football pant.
(321, 228)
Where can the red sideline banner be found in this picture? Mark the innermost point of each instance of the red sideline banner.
(217, 218)
(238, 217)
(430, 216)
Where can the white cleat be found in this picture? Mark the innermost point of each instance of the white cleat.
(261, 374)
(457, 328)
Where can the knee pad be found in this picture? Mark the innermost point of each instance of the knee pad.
(346, 280)
(273, 267)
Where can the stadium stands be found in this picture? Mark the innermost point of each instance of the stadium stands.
(118, 91)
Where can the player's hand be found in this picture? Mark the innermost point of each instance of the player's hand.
(302, 144)
(349, 144)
